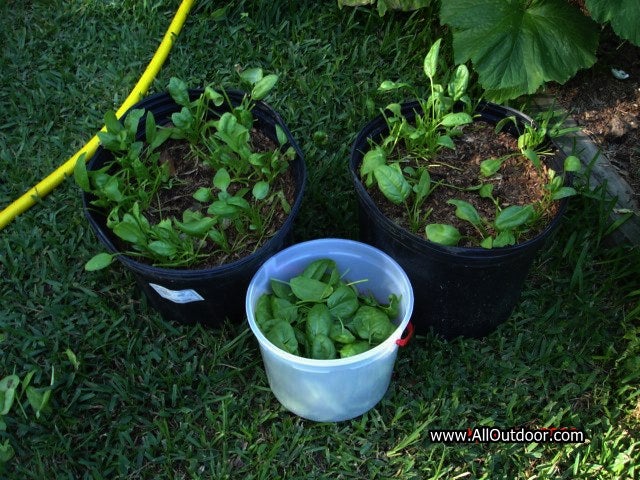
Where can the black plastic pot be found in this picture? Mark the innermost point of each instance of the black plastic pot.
(458, 291)
(210, 295)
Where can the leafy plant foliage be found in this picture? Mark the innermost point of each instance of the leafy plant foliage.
(10, 393)
(384, 5)
(156, 400)
(515, 46)
(399, 165)
(624, 16)
(240, 199)
(319, 315)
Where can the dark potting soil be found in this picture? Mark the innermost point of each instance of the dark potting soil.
(188, 174)
(608, 108)
(517, 182)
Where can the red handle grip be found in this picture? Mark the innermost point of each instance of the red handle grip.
(402, 342)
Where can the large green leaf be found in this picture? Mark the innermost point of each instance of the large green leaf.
(372, 324)
(309, 289)
(318, 268)
(343, 302)
(318, 320)
(252, 75)
(129, 231)
(384, 5)
(162, 248)
(322, 348)
(466, 211)
(283, 336)
(38, 399)
(431, 60)
(443, 234)
(98, 262)
(179, 91)
(8, 386)
(517, 45)
(263, 87)
(514, 216)
(624, 16)
(392, 183)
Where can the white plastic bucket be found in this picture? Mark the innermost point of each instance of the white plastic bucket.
(339, 389)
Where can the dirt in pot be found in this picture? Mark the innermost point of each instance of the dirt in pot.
(188, 174)
(518, 182)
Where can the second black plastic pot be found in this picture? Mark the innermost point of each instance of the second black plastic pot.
(210, 295)
(458, 291)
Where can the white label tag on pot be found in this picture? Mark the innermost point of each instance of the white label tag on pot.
(177, 296)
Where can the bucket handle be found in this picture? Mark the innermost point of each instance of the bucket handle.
(402, 342)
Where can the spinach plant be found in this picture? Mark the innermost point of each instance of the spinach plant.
(385, 165)
(400, 164)
(318, 314)
(510, 221)
(12, 390)
(229, 214)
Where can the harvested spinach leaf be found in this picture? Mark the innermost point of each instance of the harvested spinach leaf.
(283, 336)
(320, 315)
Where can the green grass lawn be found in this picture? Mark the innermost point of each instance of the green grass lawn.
(136, 397)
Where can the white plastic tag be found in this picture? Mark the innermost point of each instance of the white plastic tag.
(177, 296)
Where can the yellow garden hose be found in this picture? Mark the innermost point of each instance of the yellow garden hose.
(45, 186)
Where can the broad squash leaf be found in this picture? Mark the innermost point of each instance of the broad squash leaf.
(517, 45)
(624, 16)
(384, 5)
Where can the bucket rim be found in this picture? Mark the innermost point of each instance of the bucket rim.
(387, 347)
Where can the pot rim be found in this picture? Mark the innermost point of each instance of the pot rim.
(164, 98)
(377, 127)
